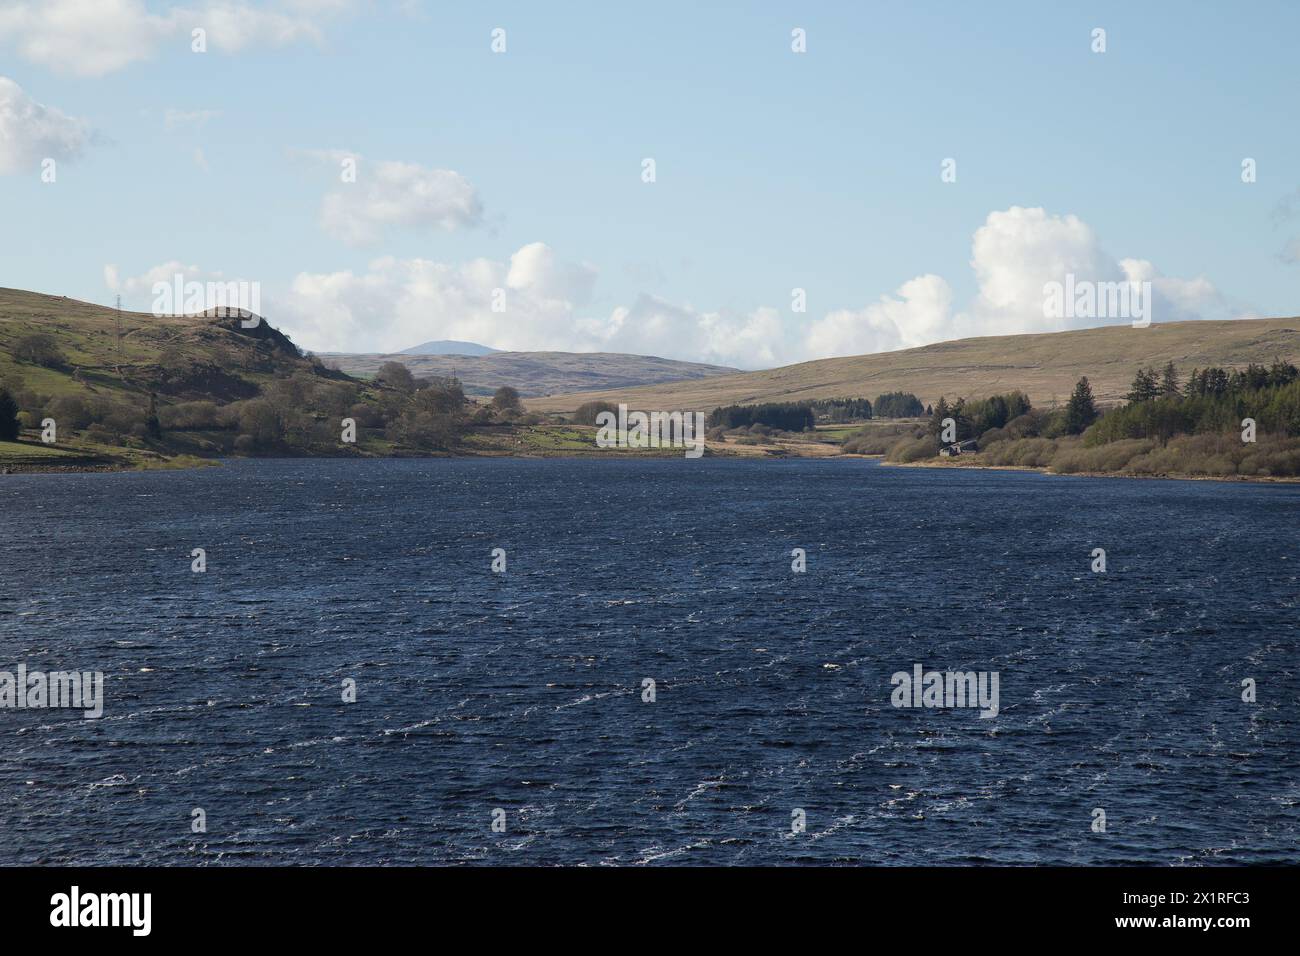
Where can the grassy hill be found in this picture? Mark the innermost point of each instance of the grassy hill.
(1044, 365)
(176, 357)
(135, 389)
(138, 390)
(535, 373)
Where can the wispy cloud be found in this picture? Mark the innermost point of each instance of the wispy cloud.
(173, 118)
(31, 132)
(97, 37)
(373, 196)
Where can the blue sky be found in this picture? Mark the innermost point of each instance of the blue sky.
(774, 170)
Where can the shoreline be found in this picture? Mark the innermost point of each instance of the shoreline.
(1243, 479)
(97, 465)
(567, 442)
(92, 466)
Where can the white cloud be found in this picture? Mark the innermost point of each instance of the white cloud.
(918, 313)
(183, 289)
(96, 37)
(397, 302)
(1016, 252)
(166, 272)
(1176, 299)
(234, 27)
(652, 326)
(1019, 250)
(31, 132)
(536, 271)
(84, 37)
(389, 193)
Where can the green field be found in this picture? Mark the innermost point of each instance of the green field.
(837, 432)
(11, 452)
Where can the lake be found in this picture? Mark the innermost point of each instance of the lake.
(769, 736)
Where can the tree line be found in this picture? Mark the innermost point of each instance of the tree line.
(1165, 426)
(786, 416)
(974, 418)
(1214, 400)
(300, 409)
(899, 405)
(805, 415)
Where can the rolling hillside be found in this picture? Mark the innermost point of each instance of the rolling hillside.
(448, 347)
(132, 388)
(1045, 365)
(176, 357)
(536, 373)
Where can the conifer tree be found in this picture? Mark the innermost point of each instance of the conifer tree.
(1080, 411)
(1169, 382)
(8, 417)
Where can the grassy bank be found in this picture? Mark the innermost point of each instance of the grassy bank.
(27, 456)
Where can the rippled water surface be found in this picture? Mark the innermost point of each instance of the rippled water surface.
(523, 691)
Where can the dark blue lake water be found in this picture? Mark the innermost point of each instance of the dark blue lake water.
(523, 691)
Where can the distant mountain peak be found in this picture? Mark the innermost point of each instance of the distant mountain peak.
(447, 347)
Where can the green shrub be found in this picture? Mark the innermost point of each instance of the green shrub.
(1106, 458)
(69, 411)
(1021, 453)
(188, 416)
(586, 413)
(878, 439)
(366, 415)
(913, 449)
(39, 349)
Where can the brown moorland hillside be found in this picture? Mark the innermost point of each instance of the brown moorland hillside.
(1045, 365)
(534, 373)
